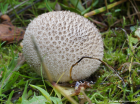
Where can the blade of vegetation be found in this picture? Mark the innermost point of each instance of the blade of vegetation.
(56, 92)
(7, 73)
(47, 6)
(92, 5)
(136, 99)
(57, 87)
(70, 8)
(77, 4)
(37, 100)
(42, 61)
(97, 94)
(51, 4)
(25, 93)
(97, 11)
(3, 7)
(26, 76)
(10, 96)
(13, 66)
(11, 82)
(1, 86)
(44, 93)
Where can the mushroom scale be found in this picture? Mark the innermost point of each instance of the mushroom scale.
(62, 38)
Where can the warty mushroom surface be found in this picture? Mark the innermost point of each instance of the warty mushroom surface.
(62, 38)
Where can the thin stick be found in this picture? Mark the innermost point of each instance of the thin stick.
(89, 101)
(135, 9)
(100, 61)
(106, 6)
(125, 17)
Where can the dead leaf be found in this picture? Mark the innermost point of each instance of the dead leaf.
(9, 32)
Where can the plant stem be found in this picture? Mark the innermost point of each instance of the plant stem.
(97, 11)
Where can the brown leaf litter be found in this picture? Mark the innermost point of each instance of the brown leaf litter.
(9, 32)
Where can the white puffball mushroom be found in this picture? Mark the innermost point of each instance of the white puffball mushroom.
(62, 38)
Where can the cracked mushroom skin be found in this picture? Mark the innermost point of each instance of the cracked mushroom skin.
(62, 38)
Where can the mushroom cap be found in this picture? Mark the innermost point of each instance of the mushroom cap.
(62, 38)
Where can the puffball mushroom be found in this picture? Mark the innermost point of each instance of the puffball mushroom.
(62, 38)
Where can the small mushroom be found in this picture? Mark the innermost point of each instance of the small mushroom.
(62, 38)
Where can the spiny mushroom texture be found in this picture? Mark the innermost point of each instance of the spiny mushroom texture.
(62, 38)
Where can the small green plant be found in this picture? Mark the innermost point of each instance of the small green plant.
(3, 8)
